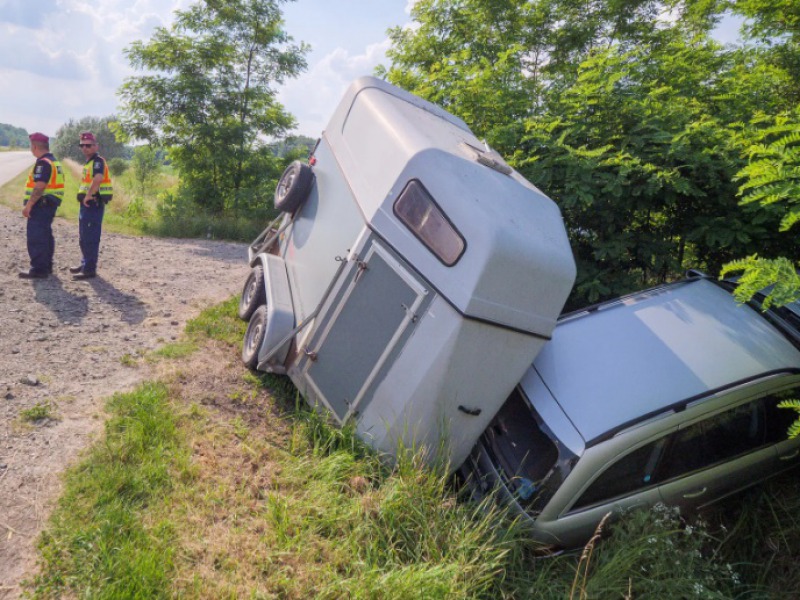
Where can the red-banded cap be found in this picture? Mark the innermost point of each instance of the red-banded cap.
(39, 137)
(88, 136)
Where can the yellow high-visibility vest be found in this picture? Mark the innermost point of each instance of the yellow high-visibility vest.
(106, 189)
(54, 187)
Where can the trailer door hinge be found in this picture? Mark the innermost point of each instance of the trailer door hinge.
(312, 356)
(411, 315)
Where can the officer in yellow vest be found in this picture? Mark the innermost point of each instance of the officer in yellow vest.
(94, 192)
(44, 191)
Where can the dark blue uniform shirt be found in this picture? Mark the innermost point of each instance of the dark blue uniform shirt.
(98, 168)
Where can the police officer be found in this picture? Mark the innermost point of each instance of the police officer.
(94, 192)
(43, 193)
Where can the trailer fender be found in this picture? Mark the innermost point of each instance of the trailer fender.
(280, 315)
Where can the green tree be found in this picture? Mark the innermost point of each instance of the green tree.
(640, 152)
(630, 121)
(771, 181)
(208, 97)
(775, 24)
(494, 62)
(294, 147)
(15, 137)
(771, 178)
(65, 144)
(146, 166)
(479, 59)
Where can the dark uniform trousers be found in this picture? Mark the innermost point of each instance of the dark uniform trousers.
(41, 243)
(90, 222)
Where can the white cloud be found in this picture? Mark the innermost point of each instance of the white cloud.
(313, 96)
(62, 59)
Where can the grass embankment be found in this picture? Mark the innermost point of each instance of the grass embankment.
(216, 483)
(154, 213)
(115, 219)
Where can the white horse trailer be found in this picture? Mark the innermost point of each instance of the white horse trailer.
(413, 278)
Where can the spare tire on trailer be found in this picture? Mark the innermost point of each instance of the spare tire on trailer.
(293, 187)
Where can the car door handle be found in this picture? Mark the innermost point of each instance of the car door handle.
(696, 494)
(790, 456)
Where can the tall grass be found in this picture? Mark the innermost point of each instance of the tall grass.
(760, 533)
(202, 490)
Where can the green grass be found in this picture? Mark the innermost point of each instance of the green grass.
(132, 213)
(241, 491)
(38, 412)
(100, 543)
(220, 323)
(179, 349)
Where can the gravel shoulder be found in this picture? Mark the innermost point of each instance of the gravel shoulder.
(62, 342)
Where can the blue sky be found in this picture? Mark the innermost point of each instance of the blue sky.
(62, 59)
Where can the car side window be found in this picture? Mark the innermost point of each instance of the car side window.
(716, 439)
(729, 434)
(779, 419)
(631, 473)
(719, 438)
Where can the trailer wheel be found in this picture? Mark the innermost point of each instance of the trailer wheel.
(293, 187)
(254, 337)
(253, 293)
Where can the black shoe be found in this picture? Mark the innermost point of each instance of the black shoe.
(32, 274)
(84, 275)
(76, 270)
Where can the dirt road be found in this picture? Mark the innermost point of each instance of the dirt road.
(62, 342)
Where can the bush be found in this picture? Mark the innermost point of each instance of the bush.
(179, 216)
(118, 166)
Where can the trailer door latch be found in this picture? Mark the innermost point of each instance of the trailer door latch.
(361, 266)
(473, 412)
(312, 356)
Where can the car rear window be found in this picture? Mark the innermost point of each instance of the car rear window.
(526, 453)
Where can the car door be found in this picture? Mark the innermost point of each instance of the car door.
(787, 451)
(718, 455)
(625, 482)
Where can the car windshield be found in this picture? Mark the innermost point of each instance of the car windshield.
(532, 462)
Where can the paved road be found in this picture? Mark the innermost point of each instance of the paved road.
(14, 163)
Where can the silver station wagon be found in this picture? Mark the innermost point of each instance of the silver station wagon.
(665, 396)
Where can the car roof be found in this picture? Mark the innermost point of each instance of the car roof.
(636, 356)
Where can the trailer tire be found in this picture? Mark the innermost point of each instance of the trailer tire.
(293, 187)
(254, 337)
(253, 293)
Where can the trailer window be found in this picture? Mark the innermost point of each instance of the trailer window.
(425, 219)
